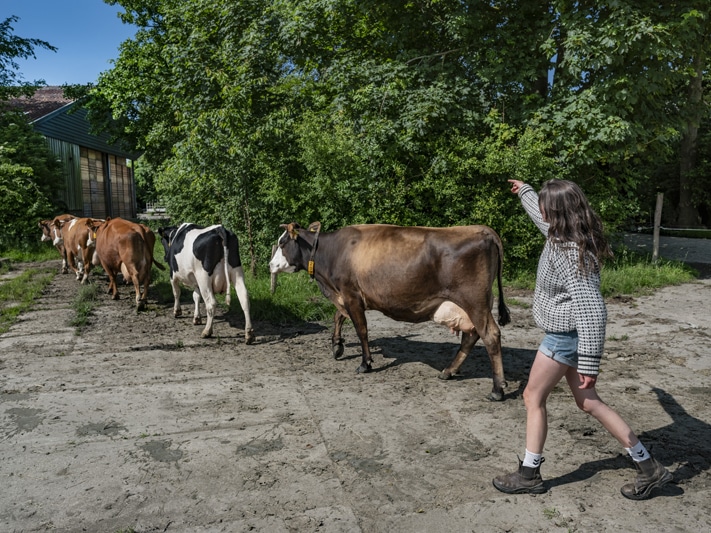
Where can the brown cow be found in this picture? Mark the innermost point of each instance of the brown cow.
(412, 274)
(52, 231)
(78, 236)
(126, 247)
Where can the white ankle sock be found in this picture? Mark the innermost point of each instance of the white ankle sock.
(532, 459)
(638, 452)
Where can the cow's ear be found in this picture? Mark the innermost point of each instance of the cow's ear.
(315, 227)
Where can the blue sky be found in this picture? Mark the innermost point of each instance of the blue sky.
(86, 33)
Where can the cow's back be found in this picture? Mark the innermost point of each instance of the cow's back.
(76, 232)
(200, 250)
(122, 241)
(409, 272)
(380, 252)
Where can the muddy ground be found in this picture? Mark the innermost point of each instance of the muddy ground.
(137, 424)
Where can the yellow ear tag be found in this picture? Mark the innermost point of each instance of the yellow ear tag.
(94, 235)
(311, 268)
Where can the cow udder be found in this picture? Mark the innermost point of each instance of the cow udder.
(454, 317)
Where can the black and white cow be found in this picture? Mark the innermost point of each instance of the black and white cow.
(196, 256)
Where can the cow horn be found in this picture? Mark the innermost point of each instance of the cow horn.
(292, 230)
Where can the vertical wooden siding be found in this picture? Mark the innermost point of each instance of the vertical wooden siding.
(68, 153)
(87, 185)
(122, 193)
(93, 183)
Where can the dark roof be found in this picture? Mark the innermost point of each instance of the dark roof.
(48, 111)
(43, 102)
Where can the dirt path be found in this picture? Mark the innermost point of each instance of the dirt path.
(138, 423)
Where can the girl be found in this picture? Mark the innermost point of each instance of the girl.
(569, 307)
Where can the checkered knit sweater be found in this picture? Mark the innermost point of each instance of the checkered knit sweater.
(564, 299)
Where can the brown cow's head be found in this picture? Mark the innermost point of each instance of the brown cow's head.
(93, 225)
(46, 231)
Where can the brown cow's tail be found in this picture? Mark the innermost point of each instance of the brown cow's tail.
(223, 236)
(504, 314)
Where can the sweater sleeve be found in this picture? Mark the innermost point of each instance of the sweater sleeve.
(529, 200)
(588, 308)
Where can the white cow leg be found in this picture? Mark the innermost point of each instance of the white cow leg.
(243, 296)
(177, 311)
(210, 306)
(196, 314)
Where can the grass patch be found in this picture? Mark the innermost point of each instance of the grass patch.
(18, 294)
(33, 254)
(630, 274)
(634, 274)
(296, 299)
(83, 305)
(521, 280)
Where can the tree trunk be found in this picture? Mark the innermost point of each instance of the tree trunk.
(688, 213)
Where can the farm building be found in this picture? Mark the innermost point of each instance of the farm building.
(99, 176)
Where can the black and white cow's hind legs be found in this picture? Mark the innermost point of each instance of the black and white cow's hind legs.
(243, 296)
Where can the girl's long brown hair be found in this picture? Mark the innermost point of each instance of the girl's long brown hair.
(571, 219)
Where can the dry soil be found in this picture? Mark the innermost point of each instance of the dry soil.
(136, 423)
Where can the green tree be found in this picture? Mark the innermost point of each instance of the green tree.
(13, 47)
(255, 112)
(30, 175)
(30, 180)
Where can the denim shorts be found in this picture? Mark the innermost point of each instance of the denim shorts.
(561, 347)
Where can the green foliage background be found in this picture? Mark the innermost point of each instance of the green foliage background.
(30, 177)
(254, 113)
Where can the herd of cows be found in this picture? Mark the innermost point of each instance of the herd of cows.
(194, 254)
(411, 274)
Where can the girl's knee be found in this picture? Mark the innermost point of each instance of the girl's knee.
(583, 405)
(532, 399)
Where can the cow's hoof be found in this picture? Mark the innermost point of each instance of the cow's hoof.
(337, 350)
(364, 369)
(115, 297)
(445, 375)
(206, 334)
(197, 321)
(249, 336)
(140, 306)
(177, 313)
(65, 271)
(496, 396)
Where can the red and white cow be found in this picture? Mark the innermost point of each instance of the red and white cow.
(126, 247)
(52, 232)
(78, 236)
(412, 274)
